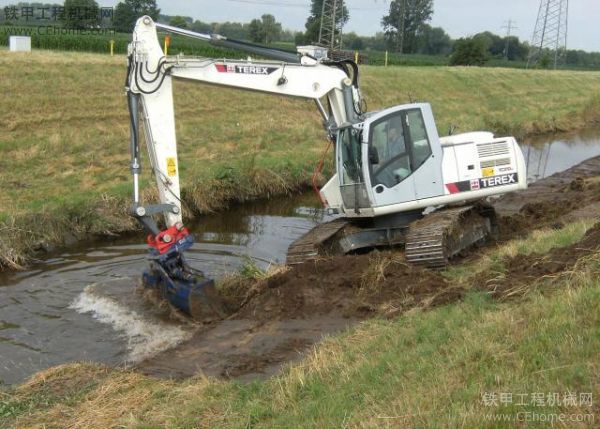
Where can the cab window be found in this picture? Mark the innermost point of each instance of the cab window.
(420, 142)
(401, 144)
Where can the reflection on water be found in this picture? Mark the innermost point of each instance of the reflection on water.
(549, 155)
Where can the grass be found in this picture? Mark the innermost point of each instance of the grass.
(64, 135)
(440, 368)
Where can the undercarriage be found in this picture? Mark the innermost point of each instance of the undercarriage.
(430, 240)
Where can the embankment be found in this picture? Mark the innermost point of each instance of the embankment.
(64, 136)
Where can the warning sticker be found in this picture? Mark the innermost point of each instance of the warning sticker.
(171, 167)
(487, 172)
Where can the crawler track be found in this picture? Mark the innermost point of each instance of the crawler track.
(435, 239)
(310, 245)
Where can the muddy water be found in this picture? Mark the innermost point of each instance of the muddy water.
(80, 305)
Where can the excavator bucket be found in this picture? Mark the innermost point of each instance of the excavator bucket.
(185, 288)
(195, 295)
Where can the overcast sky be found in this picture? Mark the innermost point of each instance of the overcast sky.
(458, 17)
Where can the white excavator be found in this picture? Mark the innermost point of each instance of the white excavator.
(396, 181)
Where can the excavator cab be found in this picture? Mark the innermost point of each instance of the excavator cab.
(394, 162)
(393, 157)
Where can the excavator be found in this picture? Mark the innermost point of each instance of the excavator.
(396, 182)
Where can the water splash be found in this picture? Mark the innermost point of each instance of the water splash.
(145, 338)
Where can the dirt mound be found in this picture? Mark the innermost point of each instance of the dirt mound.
(353, 286)
(521, 272)
(547, 202)
(276, 319)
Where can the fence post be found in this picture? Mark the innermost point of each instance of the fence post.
(167, 43)
(356, 57)
(112, 48)
(386, 58)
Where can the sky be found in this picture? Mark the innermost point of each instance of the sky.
(458, 18)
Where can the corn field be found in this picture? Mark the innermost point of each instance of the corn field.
(101, 43)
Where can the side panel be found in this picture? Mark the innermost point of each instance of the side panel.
(331, 193)
(499, 168)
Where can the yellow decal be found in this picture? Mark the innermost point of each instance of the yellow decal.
(487, 172)
(171, 167)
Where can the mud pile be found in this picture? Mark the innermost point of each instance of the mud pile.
(565, 196)
(523, 272)
(352, 286)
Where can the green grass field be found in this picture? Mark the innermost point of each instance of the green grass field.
(64, 134)
(64, 167)
(438, 368)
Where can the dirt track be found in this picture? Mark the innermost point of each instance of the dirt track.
(279, 318)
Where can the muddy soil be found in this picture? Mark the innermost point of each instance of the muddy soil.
(282, 316)
(523, 271)
(562, 197)
(275, 320)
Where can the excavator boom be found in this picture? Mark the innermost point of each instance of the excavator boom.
(150, 101)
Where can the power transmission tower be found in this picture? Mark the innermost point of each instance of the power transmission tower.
(330, 32)
(509, 27)
(550, 33)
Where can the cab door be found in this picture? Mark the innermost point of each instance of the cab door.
(404, 155)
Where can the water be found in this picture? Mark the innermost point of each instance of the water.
(545, 157)
(80, 305)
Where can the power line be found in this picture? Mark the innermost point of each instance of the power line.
(300, 5)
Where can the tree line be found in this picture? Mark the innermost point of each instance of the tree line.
(405, 29)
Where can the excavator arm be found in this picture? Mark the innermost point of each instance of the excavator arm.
(333, 87)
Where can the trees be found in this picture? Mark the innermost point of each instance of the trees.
(202, 27)
(433, 41)
(353, 41)
(233, 30)
(264, 30)
(178, 21)
(128, 11)
(470, 51)
(313, 22)
(405, 19)
(81, 14)
(255, 30)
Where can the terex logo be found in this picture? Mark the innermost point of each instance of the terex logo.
(241, 69)
(498, 180)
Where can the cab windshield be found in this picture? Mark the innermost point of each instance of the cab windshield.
(349, 139)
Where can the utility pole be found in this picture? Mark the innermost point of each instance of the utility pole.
(330, 32)
(550, 33)
(509, 27)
